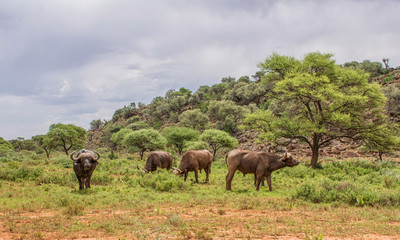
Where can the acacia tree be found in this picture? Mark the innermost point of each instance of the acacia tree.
(145, 139)
(383, 141)
(317, 101)
(217, 139)
(67, 135)
(178, 136)
(118, 137)
(45, 142)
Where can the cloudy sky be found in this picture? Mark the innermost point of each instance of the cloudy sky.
(71, 61)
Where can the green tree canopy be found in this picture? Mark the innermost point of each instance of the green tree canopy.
(67, 135)
(178, 136)
(193, 119)
(384, 140)
(217, 139)
(317, 101)
(195, 145)
(373, 68)
(5, 146)
(96, 124)
(45, 142)
(118, 137)
(226, 114)
(145, 139)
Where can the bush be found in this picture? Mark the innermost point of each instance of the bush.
(357, 183)
(161, 180)
(21, 173)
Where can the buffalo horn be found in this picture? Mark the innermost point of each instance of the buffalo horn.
(94, 157)
(72, 156)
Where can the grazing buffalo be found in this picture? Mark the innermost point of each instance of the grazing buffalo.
(158, 159)
(262, 164)
(85, 162)
(195, 160)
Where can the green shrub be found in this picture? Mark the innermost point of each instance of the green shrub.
(21, 173)
(161, 180)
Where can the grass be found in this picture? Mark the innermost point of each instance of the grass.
(39, 199)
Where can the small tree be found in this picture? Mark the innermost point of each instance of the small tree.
(383, 140)
(145, 139)
(96, 124)
(194, 119)
(178, 136)
(45, 142)
(67, 136)
(217, 139)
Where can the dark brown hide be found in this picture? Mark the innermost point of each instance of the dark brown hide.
(195, 160)
(262, 164)
(158, 159)
(85, 162)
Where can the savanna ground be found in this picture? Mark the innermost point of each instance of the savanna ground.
(342, 199)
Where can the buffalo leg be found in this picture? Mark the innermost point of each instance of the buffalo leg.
(228, 179)
(269, 181)
(255, 181)
(87, 182)
(207, 170)
(186, 173)
(81, 183)
(196, 175)
(260, 178)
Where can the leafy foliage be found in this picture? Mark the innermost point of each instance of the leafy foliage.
(46, 143)
(96, 124)
(5, 146)
(145, 139)
(67, 135)
(226, 115)
(178, 136)
(373, 68)
(317, 101)
(118, 137)
(194, 119)
(217, 139)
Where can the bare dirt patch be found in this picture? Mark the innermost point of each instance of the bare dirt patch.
(204, 222)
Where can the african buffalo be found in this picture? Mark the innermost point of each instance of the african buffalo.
(85, 162)
(195, 160)
(262, 164)
(158, 159)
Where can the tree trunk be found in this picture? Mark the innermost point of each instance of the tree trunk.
(47, 152)
(214, 154)
(314, 158)
(380, 155)
(315, 150)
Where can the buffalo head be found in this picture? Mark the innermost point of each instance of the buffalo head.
(289, 161)
(86, 158)
(177, 171)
